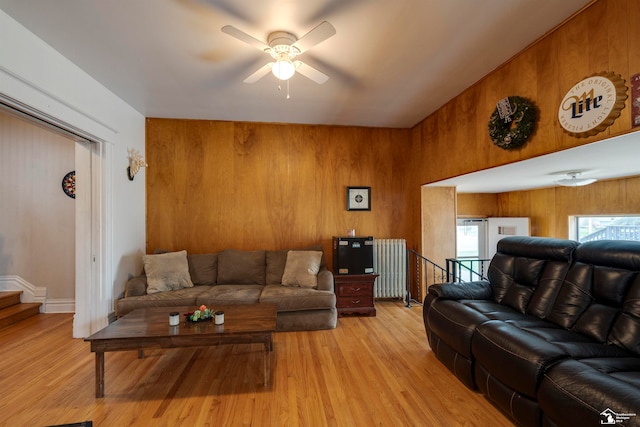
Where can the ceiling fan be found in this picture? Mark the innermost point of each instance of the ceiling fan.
(283, 48)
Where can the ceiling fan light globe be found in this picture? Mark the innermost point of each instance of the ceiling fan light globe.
(575, 182)
(283, 70)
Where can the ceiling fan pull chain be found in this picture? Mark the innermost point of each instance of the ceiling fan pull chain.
(288, 90)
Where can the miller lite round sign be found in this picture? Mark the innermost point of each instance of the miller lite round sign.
(592, 105)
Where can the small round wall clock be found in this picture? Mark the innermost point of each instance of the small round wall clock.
(69, 184)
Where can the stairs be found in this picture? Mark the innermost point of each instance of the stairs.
(12, 310)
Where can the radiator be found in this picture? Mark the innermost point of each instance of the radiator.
(389, 261)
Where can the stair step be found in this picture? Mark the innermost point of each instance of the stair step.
(18, 312)
(9, 298)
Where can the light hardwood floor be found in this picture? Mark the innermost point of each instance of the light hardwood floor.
(367, 371)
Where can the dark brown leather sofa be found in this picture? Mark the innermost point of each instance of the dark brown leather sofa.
(553, 337)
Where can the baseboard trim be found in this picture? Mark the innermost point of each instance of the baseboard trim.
(61, 306)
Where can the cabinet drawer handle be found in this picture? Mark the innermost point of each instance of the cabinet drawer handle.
(355, 302)
(356, 289)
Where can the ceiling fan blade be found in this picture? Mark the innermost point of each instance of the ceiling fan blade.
(260, 73)
(319, 34)
(311, 73)
(244, 37)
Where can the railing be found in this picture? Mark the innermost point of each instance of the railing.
(421, 270)
(467, 269)
(614, 232)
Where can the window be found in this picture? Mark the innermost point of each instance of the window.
(469, 238)
(588, 228)
(470, 250)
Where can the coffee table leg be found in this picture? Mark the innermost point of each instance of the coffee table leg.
(267, 360)
(99, 374)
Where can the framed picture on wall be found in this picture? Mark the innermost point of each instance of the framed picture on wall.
(358, 198)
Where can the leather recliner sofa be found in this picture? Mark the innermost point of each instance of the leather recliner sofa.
(552, 338)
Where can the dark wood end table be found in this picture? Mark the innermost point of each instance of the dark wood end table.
(354, 294)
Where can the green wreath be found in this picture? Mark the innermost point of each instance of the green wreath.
(513, 131)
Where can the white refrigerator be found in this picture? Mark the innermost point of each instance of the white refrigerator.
(497, 228)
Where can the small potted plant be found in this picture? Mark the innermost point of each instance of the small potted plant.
(201, 314)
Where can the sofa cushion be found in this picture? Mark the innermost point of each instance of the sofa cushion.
(230, 294)
(626, 328)
(203, 268)
(574, 296)
(504, 269)
(515, 357)
(516, 405)
(167, 272)
(136, 286)
(186, 296)
(518, 296)
(578, 392)
(454, 323)
(548, 287)
(517, 352)
(241, 267)
(479, 290)
(276, 261)
(293, 298)
(609, 287)
(494, 311)
(500, 275)
(302, 269)
(526, 274)
(538, 247)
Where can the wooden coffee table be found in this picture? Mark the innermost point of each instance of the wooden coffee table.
(148, 328)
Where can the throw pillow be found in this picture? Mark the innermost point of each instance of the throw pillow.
(302, 269)
(276, 260)
(166, 272)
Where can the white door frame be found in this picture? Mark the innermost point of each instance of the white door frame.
(93, 295)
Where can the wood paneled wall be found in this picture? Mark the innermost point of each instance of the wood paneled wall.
(477, 205)
(603, 37)
(550, 208)
(213, 185)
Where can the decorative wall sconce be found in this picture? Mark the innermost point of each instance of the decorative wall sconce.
(135, 163)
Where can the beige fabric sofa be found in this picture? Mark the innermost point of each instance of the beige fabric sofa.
(244, 277)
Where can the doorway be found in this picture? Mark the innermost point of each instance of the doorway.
(37, 214)
(471, 238)
(471, 249)
(90, 301)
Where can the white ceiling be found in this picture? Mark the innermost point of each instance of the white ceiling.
(609, 159)
(391, 62)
